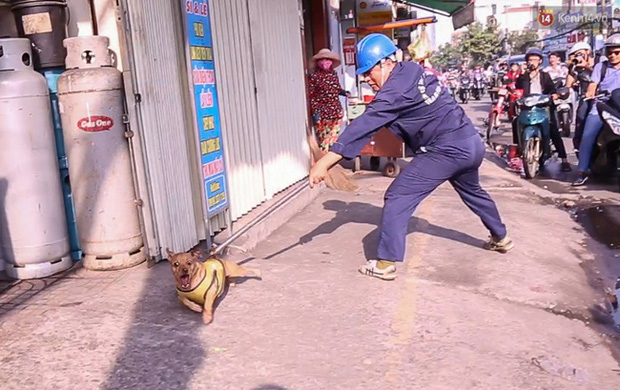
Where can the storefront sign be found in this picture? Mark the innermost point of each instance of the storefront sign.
(371, 12)
(348, 48)
(200, 56)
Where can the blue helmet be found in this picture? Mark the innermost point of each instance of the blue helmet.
(533, 51)
(372, 49)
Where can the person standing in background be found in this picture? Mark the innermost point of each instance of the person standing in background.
(324, 91)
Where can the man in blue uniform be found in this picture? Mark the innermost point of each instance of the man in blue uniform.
(413, 105)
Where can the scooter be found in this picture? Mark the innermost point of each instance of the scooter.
(564, 112)
(513, 98)
(533, 131)
(499, 106)
(606, 153)
(478, 87)
(465, 89)
(453, 85)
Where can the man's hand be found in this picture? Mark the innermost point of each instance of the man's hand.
(319, 170)
(317, 173)
(555, 96)
(591, 92)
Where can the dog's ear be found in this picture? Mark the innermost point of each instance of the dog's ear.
(170, 254)
(197, 253)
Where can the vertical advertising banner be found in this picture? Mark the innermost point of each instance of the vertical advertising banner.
(204, 93)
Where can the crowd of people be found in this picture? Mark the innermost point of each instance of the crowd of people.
(585, 77)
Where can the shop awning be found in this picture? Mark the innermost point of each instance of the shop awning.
(446, 8)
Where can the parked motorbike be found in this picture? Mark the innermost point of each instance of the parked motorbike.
(563, 112)
(465, 89)
(533, 131)
(478, 87)
(606, 153)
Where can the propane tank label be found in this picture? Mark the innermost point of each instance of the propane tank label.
(37, 23)
(95, 124)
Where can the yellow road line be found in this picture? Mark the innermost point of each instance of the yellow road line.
(403, 321)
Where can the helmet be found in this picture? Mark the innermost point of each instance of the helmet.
(579, 46)
(372, 49)
(533, 51)
(613, 41)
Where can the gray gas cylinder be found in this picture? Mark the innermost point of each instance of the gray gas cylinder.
(33, 228)
(90, 95)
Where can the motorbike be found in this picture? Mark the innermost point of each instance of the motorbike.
(498, 81)
(465, 89)
(533, 131)
(513, 98)
(563, 112)
(478, 87)
(453, 86)
(499, 106)
(606, 153)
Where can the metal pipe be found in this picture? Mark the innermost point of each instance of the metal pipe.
(260, 217)
(392, 25)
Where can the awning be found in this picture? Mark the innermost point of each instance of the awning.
(446, 8)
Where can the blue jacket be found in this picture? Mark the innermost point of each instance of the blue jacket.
(413, 106)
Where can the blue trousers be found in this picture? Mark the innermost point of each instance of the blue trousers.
(593, 126)
(457, 162)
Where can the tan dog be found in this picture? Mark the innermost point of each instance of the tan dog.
(200, 283)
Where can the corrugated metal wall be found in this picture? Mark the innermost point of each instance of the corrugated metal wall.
(234, 72)
(279, 70)
(160, 75)
(259, 70)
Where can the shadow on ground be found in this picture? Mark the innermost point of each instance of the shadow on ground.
(162, 348)
(364, 213)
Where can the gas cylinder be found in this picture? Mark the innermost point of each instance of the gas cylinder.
(33, 229)
(90, 97)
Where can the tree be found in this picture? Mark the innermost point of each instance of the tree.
(480, 43)
(520, 41)
(447, 56)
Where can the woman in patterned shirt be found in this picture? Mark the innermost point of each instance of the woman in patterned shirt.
(324, 90)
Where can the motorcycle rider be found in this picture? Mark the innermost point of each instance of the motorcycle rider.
(536, 82)
(580, 63)
(556, 69)
(605, 77)
(502, 69)
(558, 72)
(514, 72)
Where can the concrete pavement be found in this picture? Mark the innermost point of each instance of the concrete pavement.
(458, 317)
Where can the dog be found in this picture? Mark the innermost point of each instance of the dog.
(199, 284)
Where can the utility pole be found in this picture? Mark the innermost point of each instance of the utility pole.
(604, 24)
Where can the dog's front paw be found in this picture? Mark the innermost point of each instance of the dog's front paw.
(207, 318)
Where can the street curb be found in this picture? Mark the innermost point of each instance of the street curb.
(526, 184)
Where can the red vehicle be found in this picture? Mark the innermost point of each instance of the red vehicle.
(507, 97)
(514, 95)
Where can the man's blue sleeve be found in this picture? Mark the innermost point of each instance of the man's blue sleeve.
(353, 139)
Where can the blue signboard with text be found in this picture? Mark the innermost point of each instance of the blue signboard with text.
(198, 26)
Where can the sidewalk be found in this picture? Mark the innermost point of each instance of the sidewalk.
(458, 317)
